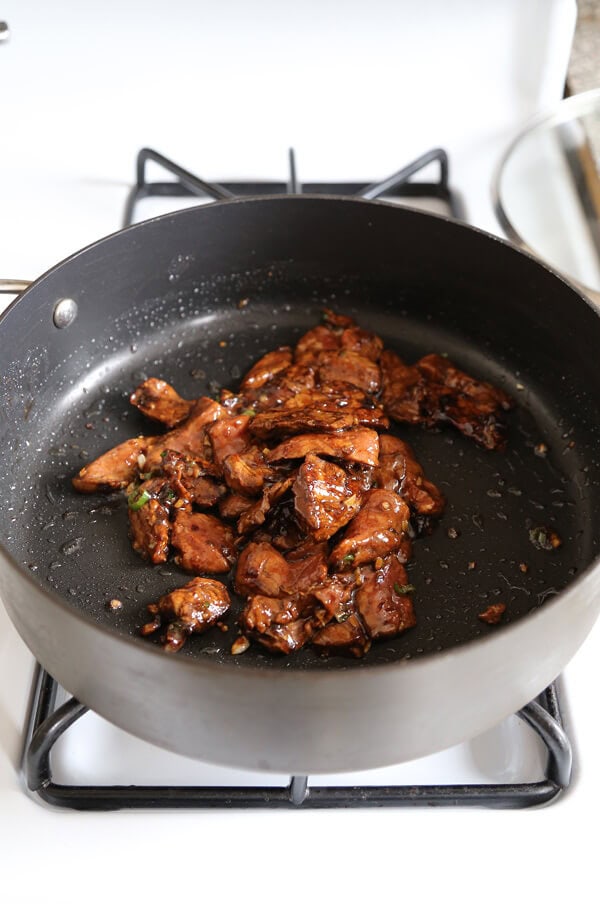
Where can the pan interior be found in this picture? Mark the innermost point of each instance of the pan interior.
(204, 337)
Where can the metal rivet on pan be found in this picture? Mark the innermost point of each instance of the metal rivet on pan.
(65, 312)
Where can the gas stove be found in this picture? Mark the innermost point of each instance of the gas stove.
(357, 93)
(444, 781)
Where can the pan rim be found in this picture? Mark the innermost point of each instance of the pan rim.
(405, 210)
(296, 674)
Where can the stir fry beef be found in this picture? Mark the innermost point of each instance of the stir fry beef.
(361, 342)
(433, 391)
(275, 624)
(203, 543)
(326, 497)
(311, 346)
(441, 370)
(115, 469)
(281, 390)
(190, 437)
(361, 446)
(308, 566)
(314, 495)
(383, 602)
(261, 569)
(347, 638)
(228, 436)
(192, 480)
(289, 421)
(350, 367)
(234, 505)
(149, 519)
(400, 471)
(268, 367)
(247, 472)
(256, 515)
(403, 391)
(375, 531)
(160, 402)
(193, 608)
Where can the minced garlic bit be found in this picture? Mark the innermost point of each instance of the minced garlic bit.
(115, 605)
(378, 562)
(240, 645)
(141, 460)
(524, 567)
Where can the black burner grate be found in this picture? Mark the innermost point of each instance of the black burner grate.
(47, 724)
(395, 187)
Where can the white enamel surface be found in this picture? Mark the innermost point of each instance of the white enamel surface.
(83, 86)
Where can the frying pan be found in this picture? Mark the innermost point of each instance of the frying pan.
(163, 298)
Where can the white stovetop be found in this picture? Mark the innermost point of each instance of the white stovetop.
(225, 90)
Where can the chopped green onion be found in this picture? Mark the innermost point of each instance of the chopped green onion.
(163, 454)
(250, 412)
(404, 589)
(347, 560)
(137, 500)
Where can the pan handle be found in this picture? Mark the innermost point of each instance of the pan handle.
(13, 286)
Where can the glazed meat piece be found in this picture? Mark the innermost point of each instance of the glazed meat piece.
(313, 344)
(337, 321)
(347, 638)
(284, 387)
(402, 390)
(286, 421)
(375, 532)
(441, 370)
(361, 446)
(326, 497)
(267, 367)
(472, 406)
(383, 602)
(339, 398)
(335, 596)
(192, 480)
(228, 436)
(115, 469)
(159, 401)
(149, 508)
(190, 438)
(277, 624)
(330, 396)
(349, 367)
(256, 515)
(308, 566)
(262, 570)
(285, 532)
(193, 608)
(362, 342)
(246, 472)
(400, 471)
(434, 391)
(234, 505)
(203, 542)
